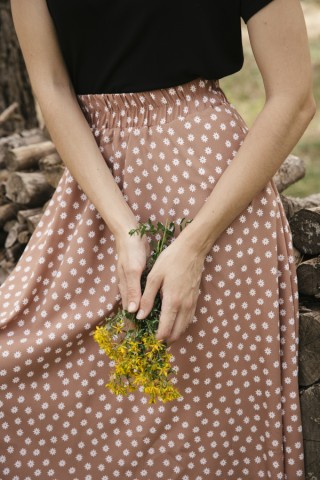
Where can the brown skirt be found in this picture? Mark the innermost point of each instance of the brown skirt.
(239, 414)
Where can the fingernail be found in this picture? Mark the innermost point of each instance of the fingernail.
(140, 314)
(132, 307)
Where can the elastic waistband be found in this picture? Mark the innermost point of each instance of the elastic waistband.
(133, 109)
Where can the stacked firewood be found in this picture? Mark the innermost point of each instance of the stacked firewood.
(30, 169)
(304, 220)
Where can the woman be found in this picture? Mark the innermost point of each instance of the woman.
(130, 95)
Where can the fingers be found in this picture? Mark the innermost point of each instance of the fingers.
(130, 287)
(167, 320)
(122, 287)
(175, 318)
(133, 277)
(152, 287)
(183, 320)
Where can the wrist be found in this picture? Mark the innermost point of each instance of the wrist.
(121, 232)
(121, 225)
(197, 238)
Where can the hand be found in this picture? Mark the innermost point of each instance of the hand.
(178, 272)
(133, 252)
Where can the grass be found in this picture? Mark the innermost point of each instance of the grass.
(245, 90)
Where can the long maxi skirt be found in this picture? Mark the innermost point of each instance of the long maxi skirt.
(236, 364)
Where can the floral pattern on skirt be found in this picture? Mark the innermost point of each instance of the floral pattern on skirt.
(239, 414)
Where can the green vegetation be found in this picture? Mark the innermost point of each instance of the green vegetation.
(245, 90)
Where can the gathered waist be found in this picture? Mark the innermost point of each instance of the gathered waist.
(151, 107)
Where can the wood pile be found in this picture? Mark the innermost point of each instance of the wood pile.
(30, 169)
(304, 219)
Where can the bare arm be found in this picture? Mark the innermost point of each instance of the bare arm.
(280, 46)
(62, 113)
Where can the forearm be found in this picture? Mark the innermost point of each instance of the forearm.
(79, 151)
(275, 132)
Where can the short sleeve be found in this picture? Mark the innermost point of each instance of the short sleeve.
(250, 7)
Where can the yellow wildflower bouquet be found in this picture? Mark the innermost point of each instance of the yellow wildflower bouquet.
(140, 360)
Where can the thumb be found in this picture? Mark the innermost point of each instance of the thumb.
(133, 290)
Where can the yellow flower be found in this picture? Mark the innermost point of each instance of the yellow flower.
(116, 388)
(134, 346)
(163, 370)
(140, 360)
(122, 349)
(118, 326)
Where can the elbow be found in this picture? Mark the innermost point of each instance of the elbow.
(303, 109)
(308, 107)
(312, 108)
(299, 103)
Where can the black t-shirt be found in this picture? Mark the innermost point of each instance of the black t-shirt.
(132, 46)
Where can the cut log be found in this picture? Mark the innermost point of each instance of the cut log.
(8, 225)
(309, 347)
(53, 168)
(5, 141)
(3, 275)
(23, 215)
(25, 137)
(294, 204)
(27, 157)
(7, 212)
(310, 409)
(290, 171)
(2, 256)
(33, 221)
(4, 263)
(298, 257)
(3, 190)
(45, 205)
(308, 273)
(28, 188)
(3, 236)
(4, 175)
(305, 227)
(307, 302)
(6, 267)
(13, 253)
(8, 112)
(12, 236)
(312, 464)
(24, 237)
